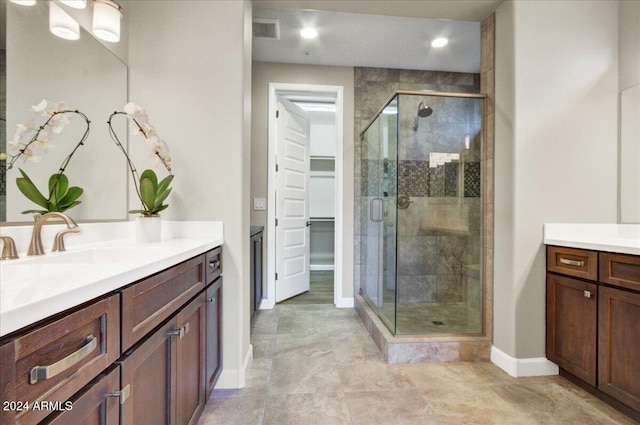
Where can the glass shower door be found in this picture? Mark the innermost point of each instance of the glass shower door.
(380, 148)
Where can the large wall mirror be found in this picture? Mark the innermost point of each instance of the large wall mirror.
(86, 76)
(630, 155)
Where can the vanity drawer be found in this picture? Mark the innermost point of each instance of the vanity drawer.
(620, 270)
(573, 262)
(214, 264)
(149, 302)
(55, 361)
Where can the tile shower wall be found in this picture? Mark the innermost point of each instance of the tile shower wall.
(429, 266)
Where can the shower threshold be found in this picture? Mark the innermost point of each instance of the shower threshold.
(434, 348)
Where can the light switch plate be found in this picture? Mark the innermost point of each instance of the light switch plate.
(259, 204)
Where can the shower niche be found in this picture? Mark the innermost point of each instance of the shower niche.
(421, 214)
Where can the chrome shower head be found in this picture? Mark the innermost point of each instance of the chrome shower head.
(424, 111)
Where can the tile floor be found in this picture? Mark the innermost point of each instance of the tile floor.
(314, 364)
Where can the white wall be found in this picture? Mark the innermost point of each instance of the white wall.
(190, 67)
(556, 147)
(265, 73)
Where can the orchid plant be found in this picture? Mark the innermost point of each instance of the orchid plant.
(151, 192)
(30, 141)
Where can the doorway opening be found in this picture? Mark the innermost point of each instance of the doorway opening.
(305, 214)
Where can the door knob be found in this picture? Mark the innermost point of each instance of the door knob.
(308, 223)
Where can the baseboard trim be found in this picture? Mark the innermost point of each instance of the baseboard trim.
(534, 366)
(321, 267)
(344, 303)
(235, 378)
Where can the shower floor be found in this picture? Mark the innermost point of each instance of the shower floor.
(434, 318)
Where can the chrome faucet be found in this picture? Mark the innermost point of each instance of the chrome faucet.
(35, 248)
(9, 251)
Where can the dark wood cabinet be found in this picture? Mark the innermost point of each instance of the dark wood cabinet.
(619, 348)
(149, 302)
(190, 361)
(148, 372)
(255, 272)
(214, 335)
(572, 310)
(593, 322)
(99, 404)
(53, 362)
(170, 359)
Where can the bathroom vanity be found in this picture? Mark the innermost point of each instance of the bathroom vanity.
(593, 310)
(140, 344)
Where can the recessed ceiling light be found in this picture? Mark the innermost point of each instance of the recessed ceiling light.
(439, 42)
(308, 33)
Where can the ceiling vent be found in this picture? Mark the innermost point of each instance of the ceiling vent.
(266, 28)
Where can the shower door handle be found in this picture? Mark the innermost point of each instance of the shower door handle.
(380, 216)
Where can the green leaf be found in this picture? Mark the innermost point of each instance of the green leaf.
(58, 186)
(62, 208)
(28, 189)
(72, 194)
(147, 192)
(35, 212)
(151, 175)
(160, 198)
(160, 208)
(164, 183)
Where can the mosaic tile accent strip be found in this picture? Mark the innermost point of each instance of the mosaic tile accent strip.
(413, 179)
(451, 179)
(472, 180)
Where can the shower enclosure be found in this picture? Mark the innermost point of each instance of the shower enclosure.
(421, 213)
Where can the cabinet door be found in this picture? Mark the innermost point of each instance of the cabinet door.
(252, 277)
(571, 326)
(258, 271)
(214, 334)
(151, 378)
(94, 406)
(190, 367)
(619, 348)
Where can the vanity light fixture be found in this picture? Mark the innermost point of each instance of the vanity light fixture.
(308, 33)
(61, 24)
(76, 4)
(439, 42)
(24, 2)
(106, 20)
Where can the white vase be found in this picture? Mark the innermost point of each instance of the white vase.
(148, 229)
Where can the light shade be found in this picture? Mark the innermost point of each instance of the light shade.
(76, 4)
(439, 42)
(106, 20)
(24, 2)
(308, 33)
(61, 24)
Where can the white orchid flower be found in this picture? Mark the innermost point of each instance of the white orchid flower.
(58, 123)
(133, 110)
(40, 107)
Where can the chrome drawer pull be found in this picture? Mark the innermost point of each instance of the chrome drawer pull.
(122, 395)
(180, 333)
(572, 262)
(42, 373)
(214, 265)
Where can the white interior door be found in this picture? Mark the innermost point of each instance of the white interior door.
(292, 200)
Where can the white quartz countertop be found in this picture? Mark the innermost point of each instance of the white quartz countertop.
(32, 289)
(621, 238)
